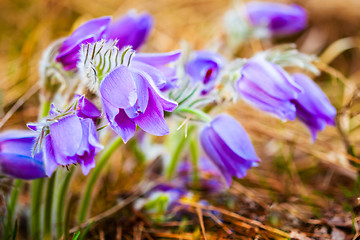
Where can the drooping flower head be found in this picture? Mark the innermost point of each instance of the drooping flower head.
(131, 29)
(16, 158)
(267, 86)
(69, 137)
(205, 66)
(89, 32)
(313, 108)
(226, 143)
(128, 86)
(279, 19)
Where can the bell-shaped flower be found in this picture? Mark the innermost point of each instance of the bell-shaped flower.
(69, 137)
(313, 107)
(226, 143)
(130, 95)
(279, 19)
(267, 86)
(89, 32)
(16, 158)
(205, 66)
(132, 29)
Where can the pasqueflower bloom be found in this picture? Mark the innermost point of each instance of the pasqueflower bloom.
(279, 19)
(226, 143)
(205, 66)
(89, 32)
(130, 95)
(268, 87)
(131, 29)
(69, 137)
(16, 158)
(313, 108)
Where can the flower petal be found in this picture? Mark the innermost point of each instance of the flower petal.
(93, 28)
(66, 135)
(86, 109)
(235, 136)
(152, 120)
(157, 59)
(19, 166)
(49, 156)
(213, 154)
(118, 88)
(314, 99)
(124, 126)
(132, 29)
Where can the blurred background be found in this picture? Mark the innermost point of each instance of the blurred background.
(298, 185)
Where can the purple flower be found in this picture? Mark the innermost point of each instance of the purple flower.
(268, 87)
(226, 143)
(132, 29)
(86, 109)
(280, 19)
(130, 95)
(162, 198)
(155, 64)
(205, 66)
(211, 179)
(89, 32)
(313, 107)
(16, 155)
(70, 137)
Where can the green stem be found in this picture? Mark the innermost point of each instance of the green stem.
(195, 159)
(45, 108)
(196, 112)
(36, 199)
(177, 154)
(86, 197)
(37, 189)
(12, 208)
(61, 203)
(48, 206)
(68, 212)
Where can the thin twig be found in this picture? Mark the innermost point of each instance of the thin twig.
(241, 218)
(201, 220)
(19, 103)
(114, 209)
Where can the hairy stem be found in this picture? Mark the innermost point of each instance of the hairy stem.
(11, 208)
(37, 189)
(48, 206)
(177, 154)
(61, 203)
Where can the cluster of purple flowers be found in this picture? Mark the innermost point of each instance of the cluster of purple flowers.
(131, 89)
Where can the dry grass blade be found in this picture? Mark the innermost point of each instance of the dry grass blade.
(201, 220)
(248, 221)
